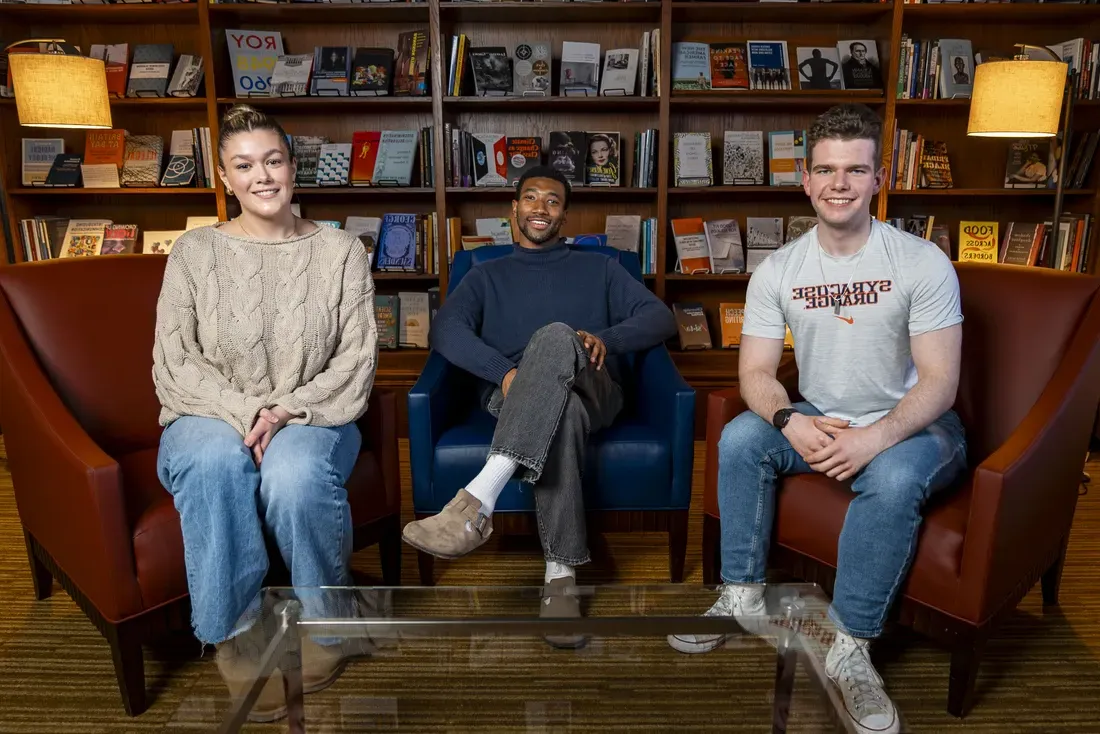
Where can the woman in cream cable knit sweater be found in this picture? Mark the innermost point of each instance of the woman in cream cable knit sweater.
(264, 357)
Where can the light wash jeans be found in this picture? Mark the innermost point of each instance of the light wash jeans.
(227, 507)
(557, 399)
(879, 537)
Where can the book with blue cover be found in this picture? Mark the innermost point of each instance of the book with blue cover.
(397, 243)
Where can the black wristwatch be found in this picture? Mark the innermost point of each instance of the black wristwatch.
(782, 417)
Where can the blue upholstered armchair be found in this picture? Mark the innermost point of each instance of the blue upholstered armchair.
(638, 472)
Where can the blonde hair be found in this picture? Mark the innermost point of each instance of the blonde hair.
(242, 118)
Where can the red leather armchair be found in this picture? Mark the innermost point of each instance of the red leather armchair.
(1028, 395)
(81, 430)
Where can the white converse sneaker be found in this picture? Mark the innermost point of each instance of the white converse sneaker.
(735, 600)
(848, 665)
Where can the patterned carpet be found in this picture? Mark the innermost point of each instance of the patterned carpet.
(1041, 671)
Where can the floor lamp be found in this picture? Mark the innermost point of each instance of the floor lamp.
(1026, 98)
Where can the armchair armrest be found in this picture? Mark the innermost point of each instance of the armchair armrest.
(68, 491)
(722, 407)
(378, 427)
(667, 402)
(428, 413)
(1025, 493)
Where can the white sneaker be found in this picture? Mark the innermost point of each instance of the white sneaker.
(848, 665)
(735, 600)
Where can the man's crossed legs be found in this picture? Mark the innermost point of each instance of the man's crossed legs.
(555, 401)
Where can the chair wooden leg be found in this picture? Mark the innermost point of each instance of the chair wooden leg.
(965, 660)
(426, 564)
(389, 548)
(711, 550)
(129, 668)
(41, 577)
(1052, 579)
(677, 545)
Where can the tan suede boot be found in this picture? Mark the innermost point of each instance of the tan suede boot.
(239, 665)
(458, 528)
(321, 665)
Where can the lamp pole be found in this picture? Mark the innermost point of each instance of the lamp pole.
(1070, 93)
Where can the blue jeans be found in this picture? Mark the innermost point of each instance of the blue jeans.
(879, 537)
(228, 507)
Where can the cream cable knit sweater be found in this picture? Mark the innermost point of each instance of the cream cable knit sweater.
(244, 324)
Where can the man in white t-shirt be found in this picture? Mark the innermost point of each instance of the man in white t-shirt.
(876, 321)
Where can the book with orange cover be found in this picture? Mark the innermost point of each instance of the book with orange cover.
(691, 245)
(105, 146)
(732, 319)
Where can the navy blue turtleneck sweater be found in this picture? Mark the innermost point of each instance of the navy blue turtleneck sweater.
(484, 326)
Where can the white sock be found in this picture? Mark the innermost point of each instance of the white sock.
(555, 570)
(490, 481)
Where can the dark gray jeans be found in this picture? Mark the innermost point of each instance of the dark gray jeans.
(556, 399)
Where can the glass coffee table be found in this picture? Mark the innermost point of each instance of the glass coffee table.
(475, 659)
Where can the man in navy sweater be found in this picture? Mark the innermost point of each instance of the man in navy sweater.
(545, 329)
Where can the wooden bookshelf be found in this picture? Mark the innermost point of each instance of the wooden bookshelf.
(199, 28)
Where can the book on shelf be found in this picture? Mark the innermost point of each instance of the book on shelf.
(252, 55)
(291, 75)
(692, 159)
(38, 157)
(727, 255)
(818, 67)
(691, 326)
(978, 241)
(580, 69)
(732, 319)
(149, 70)
(692, 253)
(65, 171)
(787, 157)
(743, 158)
(769, 65)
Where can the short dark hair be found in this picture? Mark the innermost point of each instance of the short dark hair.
(545, 172)
(845, 122)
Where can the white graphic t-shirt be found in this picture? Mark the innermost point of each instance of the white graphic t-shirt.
(854, 362)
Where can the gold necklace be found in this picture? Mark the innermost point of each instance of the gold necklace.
(240, 224)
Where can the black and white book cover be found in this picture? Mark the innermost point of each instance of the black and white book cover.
(859, 64)
(818, 67)
(743, 158)
(956, 68)
(291, 75)
(492, 70)
(187, 77)
(307, 151)
(620, 72)
(566, 153)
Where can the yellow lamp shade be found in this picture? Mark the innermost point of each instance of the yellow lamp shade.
(57, 90)
(1017, 99)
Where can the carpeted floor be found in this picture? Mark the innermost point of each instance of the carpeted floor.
(1041, 671)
